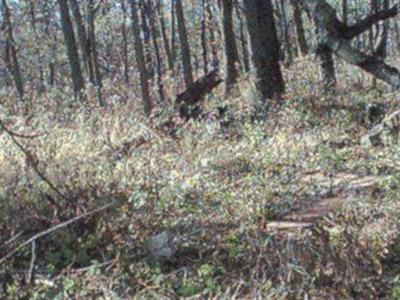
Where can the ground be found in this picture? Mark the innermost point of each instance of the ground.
(291, 206)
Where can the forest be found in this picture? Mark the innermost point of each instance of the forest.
(199, 149)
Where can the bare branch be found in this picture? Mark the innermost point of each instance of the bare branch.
(54, 228)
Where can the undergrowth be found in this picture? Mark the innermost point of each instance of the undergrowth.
(213, 185)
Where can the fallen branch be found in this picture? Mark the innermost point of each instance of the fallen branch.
(32, 161)
(19, 135)
(54, 228)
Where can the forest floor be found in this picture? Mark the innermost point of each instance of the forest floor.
(293, 206)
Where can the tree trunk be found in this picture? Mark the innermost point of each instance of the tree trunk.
(83, 39)
(231, 52)
(159, 66)
(243, 39)
(173, 32)
(185, 47)
(336, 37)
(93, 51)
(285, 27)
(160, 10)
(298, 21)
(72, 50)
(125, 42)
(146, 38)
(265, 48)
(213, 40)
(345, 7)
(204, 37)
(11, 57)
(140, 59)
(38, 52)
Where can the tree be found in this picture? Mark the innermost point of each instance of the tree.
(231, 52)
(125, 42)
(72, 49)
(243, 38)
(184, 41)
(154, 35)
(140, 59)
(93, 51)
(83, 39)
(265, 48)
(335, 37)
(11, 56)
(298, 21)
(168, 51)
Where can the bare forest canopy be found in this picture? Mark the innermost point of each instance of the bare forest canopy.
(72, 44)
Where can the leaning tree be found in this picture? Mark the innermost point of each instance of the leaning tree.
(335, 37)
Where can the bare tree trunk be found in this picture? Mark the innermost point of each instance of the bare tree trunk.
(345, 7)
(125, 42)
(93, 51)
(204, 37)
(298, 21)
(185, 48)
(140, 59)
(243, 39)
(83, 39)
(11, 57)
(72, 50)
(38, 52)
(265, 48)
(231, 52)
(213, 40)
(146, 38)
(159, 66)
(167, 47)
(173, 32)
(285, 28)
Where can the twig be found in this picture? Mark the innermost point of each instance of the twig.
(32, 265)
(54, 228)
(19, 135)
(12, 239)
(32, 161)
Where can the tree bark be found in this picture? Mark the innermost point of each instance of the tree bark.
(243, 39)
(83, 39)
(204, 36)
(154, 36)
(285, 30)
(125, 42)
(231, 52)
(265, 48)
(11, 56)
(140, 58)
(298, 21)
(160, 10)
(93, 52)
(72, 50)
(185, 47)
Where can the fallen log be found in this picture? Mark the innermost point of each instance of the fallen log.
(188, 102)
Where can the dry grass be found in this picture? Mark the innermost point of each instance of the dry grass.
(215, 188)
